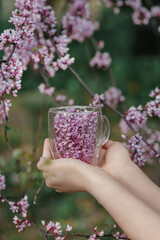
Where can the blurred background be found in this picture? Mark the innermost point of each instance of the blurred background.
(135, 53)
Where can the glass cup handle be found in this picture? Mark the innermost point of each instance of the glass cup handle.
(106, 129)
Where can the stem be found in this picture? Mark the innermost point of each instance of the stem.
(5, 125)
(39, 229)
(81, 81)
(45, 78)
(37, 192)
(10, 55)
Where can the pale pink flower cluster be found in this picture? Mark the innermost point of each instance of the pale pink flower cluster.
(76, 133)
(63, 98)
(2, 182)
(96, 234)
(153, 106)
(63, 62)
(10, 76)
(101, 60)
(136, 148)
(35, 40)
(60, 98)
(35, 23)
(155, 11)
(120, 236)
(113, 96)
(55, 228)
(135, 4)
(97, 100)
(153, 138)
(9, 36)
(21, 224)
(141, 16)
(7, 104)
(20, 207)
(46, 90)
(136, 116)
(76, 23)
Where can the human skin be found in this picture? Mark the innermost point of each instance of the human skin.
(138, 218)
(117, 163)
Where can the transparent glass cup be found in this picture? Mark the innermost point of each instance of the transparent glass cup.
(77, 132)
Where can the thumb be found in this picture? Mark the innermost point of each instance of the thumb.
(46, 149)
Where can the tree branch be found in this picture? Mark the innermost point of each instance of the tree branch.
(109, 106)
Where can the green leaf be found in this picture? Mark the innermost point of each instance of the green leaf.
(7, 128)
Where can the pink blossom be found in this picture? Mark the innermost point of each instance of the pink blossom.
(153, 106)
(98, 100)
(113, 96)
(65, 62)
(135, 4)
(100, 44)
(75, 134)
(69, 228)
(20, 207)
(92, 237)
(46, 90)
(62, 42)
(21, 224)
(76, 21)
(119, 235)
(23, 206)
(13, 207)
(95, 229)
(60, 98)
(9, 36)
(136, 149)
(155, 11)
(101, 60)
(52, 227)
(70, 102)
(2, 182)
(10, 76)
(141, 16)
(136, 116)
(101, 233)
(153, 138)
(80, 8)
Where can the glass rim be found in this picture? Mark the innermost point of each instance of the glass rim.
(62, 108)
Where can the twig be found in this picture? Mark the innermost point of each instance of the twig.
(45, 78)
(5, 125)
(47, 234)
(10, 55)
(37, 192)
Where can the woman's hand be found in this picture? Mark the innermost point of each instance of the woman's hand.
(64, 175)
(114, 157)
(72, 175)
